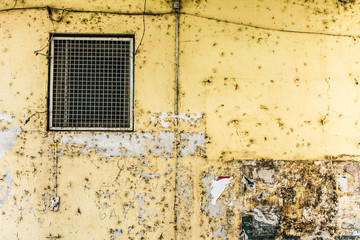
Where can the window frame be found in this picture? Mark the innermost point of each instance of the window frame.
(127, 37)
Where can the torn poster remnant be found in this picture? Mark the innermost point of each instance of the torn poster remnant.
(217, 188)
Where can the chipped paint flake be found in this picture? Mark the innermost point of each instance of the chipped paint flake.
(192, 143)
(115, 233)
(147, 175)
(54, 203)
(7, 139)
(141, 202)
(6, 117)
(164, 119)
(190, 118)
(342, 182)
(5, 193)
(220, 233)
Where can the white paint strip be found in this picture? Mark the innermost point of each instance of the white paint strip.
(123, 144)
(137, 144)
(218, 187)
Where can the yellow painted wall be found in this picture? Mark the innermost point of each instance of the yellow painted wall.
(267, 124)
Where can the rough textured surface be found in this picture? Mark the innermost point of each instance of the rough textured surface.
(265, 144)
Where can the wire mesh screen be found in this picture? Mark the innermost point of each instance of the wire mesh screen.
(91, 83)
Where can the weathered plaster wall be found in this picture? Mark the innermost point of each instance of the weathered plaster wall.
(267, 139)
(277, 82)
(111, 185)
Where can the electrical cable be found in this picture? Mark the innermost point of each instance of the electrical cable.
(142, 37)
(269, 28)
(181, 13)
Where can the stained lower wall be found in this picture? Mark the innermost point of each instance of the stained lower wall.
(279, 200)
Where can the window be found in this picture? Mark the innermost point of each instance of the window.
(91, 82)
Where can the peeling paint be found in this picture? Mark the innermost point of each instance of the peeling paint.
(123, 144)
(342, 181)
(238, 111)
(5, 193)
(115, 233)
(7, 139)
(54, 203)
(164, 119)
(136, 144)
(293, 202)
(141, 202)
(150, 176)
(220, 233)
(6, 117)
(192, 143)
(190, 118)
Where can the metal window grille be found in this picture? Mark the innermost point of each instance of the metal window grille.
(91, 83)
